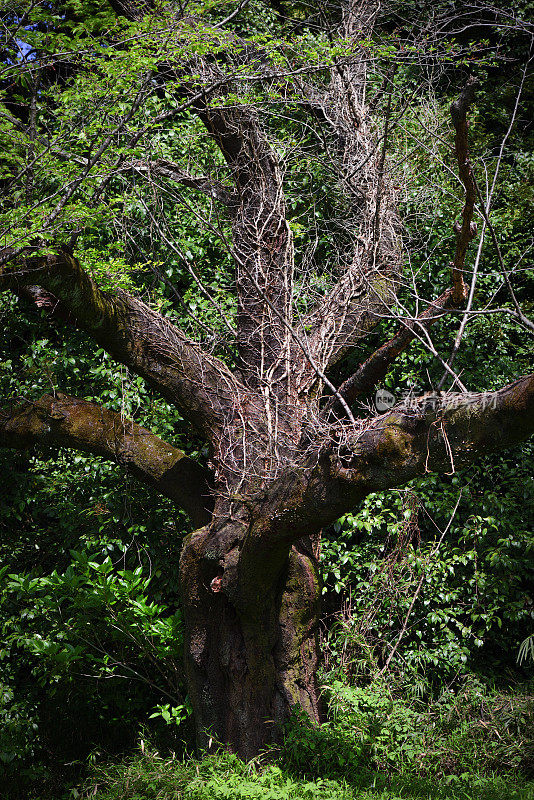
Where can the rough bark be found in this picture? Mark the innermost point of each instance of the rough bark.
(135, 335)
(251, 644)
(250, 597)
(62, 421)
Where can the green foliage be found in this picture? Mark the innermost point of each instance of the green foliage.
(148, 776)
(89, 608)
(91, 627)
(220, 777)
(469, 732)
(441, 605)
(464, 738)
(90, 597)
(93, 624)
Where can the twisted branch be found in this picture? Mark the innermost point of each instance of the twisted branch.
(63, 421)
(200, 385)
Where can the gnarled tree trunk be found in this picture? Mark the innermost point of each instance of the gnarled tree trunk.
(251, 644)
(285, 460)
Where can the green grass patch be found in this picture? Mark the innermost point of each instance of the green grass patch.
(148, 776)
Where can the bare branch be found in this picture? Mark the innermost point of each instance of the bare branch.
(167, 169)
(467, 230)
(374, 368)
(131, 9)
(525, 321)
(487, 205)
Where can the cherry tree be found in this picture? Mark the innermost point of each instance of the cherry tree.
(290, 447)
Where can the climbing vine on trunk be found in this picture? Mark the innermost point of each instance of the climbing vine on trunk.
(91, 108)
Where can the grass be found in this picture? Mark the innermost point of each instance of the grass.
(147, 776)
(472, 744)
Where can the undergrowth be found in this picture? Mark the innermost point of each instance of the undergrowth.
(473, 731)
(148, 776)
(474, 744)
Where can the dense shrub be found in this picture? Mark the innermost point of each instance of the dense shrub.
(460, 735)
(435, 581)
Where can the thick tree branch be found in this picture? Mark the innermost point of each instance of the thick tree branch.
(363, 295)
(63, 421)
(434, 433)
(367, 288)
(200, 385)
(262, 241)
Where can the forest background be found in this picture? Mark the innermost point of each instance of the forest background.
(427, 590)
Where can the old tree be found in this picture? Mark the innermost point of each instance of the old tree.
(181, 112)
